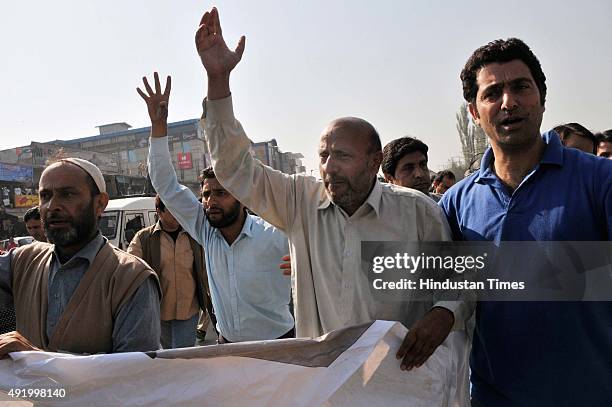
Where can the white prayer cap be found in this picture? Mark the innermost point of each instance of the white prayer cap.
(89, 168)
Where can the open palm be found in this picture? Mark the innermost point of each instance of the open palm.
(217, 58)
(157, 102)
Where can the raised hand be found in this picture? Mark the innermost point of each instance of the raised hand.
(157, 104)
(217, 58)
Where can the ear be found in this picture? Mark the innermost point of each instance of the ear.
(100, 202)
(474, 112)
(375, 160)
(389, 178)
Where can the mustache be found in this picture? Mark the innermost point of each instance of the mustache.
(330, 179)
(213, 208)
(56, 218)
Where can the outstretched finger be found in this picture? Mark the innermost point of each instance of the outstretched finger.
(413, 355)
(147, 86)
(215, 21)
(203, 38)
(157, 84)
(168, 86)
(204, 18)
(142, 95)
(240, 47)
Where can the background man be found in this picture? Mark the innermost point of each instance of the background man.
(326, 220)
(604, 144)
(249, 294)
(574, 135)
(444, 180)
(34, 224)
(530, 188)
(178, 261)
(404, 163)
(62, 292)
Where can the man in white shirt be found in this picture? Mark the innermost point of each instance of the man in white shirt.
(327, 220)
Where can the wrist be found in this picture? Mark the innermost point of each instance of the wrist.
(218, 86)
(444, 313)
(159, 129)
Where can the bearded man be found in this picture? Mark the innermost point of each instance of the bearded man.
(249, 295)
(77, 293)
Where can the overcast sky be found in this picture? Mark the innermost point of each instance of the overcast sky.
(68, 66)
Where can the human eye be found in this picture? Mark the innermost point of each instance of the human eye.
(491, 94)
(44, 196)
(523, 86)
(342, 155)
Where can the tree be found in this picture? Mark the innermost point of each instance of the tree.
(474, 142)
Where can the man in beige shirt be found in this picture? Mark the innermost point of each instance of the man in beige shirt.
(177, 260)
(327, 220)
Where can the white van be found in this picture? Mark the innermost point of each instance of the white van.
(125, 216)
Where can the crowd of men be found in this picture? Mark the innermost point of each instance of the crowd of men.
(212, 257)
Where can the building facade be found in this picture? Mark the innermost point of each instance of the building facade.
(121, 154)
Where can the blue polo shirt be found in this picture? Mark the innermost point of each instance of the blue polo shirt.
(539, 353)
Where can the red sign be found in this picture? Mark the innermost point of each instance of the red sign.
(184, 161)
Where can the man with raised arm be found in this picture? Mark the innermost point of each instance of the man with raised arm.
(327, 220)
(249, 294)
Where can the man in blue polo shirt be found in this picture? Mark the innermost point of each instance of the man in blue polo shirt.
(530, 188)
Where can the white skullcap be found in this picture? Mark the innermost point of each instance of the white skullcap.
(89, 168)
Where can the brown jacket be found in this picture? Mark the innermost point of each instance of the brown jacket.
(147, 245)
(86, 326)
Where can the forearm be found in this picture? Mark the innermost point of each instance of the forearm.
(181, 202)
(268, 192)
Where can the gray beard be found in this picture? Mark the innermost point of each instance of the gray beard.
(63, 238)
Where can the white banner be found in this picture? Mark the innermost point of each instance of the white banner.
(349, 367)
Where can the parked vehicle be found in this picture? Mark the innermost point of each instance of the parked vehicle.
(19, 240)
(125, 216)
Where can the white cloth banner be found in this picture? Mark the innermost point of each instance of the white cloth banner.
(363, 373)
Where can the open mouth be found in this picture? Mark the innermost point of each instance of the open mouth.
(511, 123)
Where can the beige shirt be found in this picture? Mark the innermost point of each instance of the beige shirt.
(330, 290)
(179, 300)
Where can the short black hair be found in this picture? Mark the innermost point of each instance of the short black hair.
(501, 51)
(159, 204)
(566, 130)
(32, 213)
(206, 173)
(395, 150)
(604, 136)
(445, 173)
